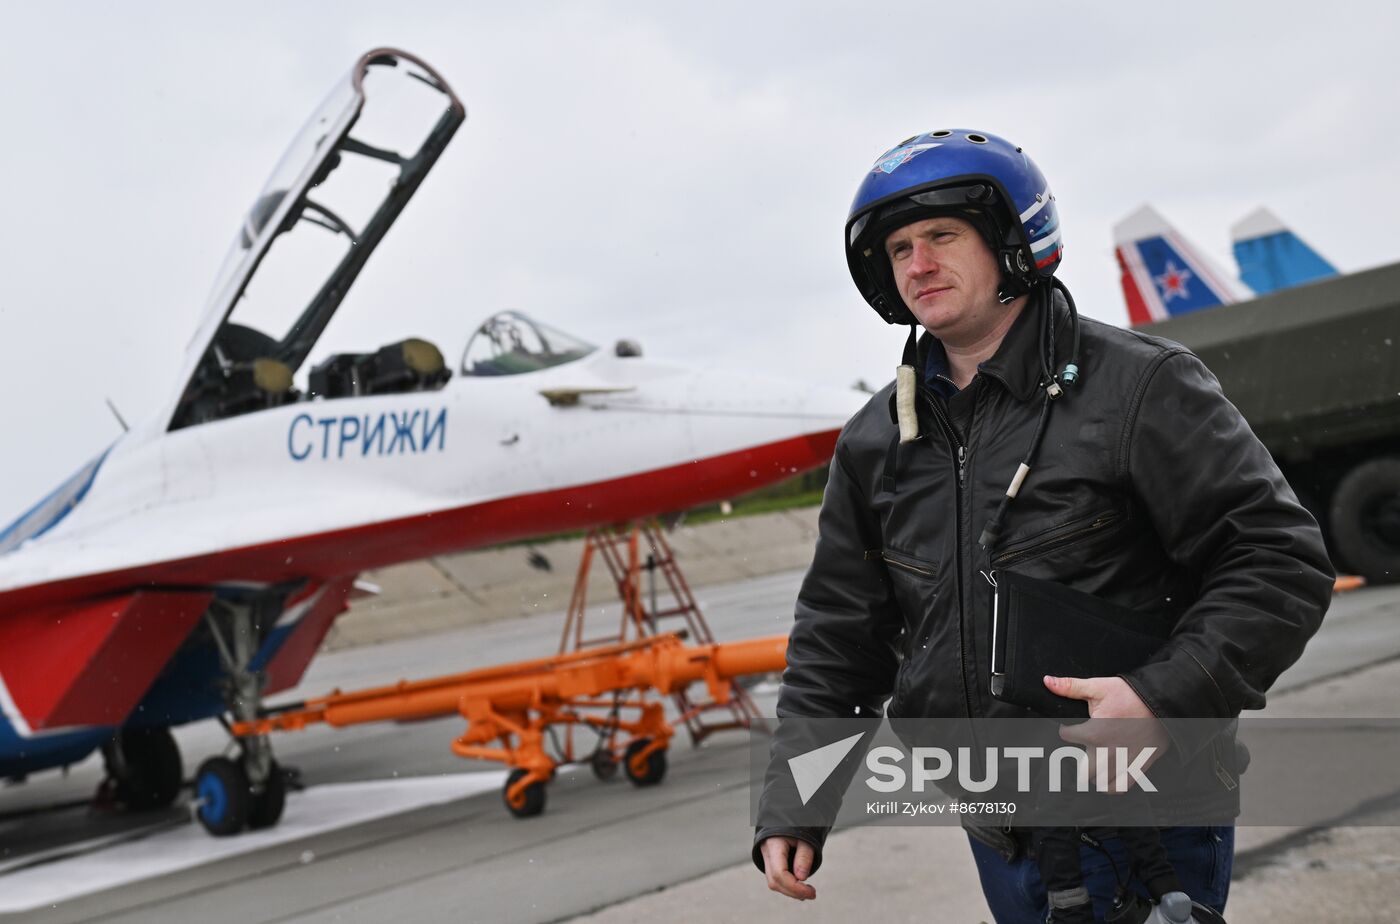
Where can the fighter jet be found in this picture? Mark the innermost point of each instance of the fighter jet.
(195, 565)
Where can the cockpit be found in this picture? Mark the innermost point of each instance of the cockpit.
(507, 343)
(510, 343)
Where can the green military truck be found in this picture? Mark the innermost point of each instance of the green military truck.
(1316, 372)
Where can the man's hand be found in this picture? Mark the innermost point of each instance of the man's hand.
(793, 884)
(1111, 698)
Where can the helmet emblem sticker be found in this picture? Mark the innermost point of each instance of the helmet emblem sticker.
(901, 156)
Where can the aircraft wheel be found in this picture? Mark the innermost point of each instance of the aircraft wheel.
(604, 764)
(267, 806)
(225, 799)
(145, 767)
(651, 769)
(530, 802)
(1365, 520)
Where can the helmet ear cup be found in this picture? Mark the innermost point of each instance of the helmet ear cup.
(1017, 273)
(1016, 276)
(1013, 263)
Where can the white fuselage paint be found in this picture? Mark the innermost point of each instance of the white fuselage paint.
(318, 466)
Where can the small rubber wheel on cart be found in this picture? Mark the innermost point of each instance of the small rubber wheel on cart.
(225, 800)
(604, 764)
(650, 769)
(528, 803)
(267, 805)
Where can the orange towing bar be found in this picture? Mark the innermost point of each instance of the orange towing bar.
(516, 704)
(1348, 582)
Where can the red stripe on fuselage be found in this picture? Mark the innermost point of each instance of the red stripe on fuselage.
(376, 545)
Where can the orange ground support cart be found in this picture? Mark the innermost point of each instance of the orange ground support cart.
(511, 709)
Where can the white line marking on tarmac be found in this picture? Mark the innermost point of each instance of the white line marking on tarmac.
(317, 810)
(82, 847)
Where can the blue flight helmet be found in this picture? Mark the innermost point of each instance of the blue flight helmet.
(970, 174)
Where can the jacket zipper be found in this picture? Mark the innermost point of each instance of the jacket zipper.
(960, 468)
(1099, 522)
(907, 566)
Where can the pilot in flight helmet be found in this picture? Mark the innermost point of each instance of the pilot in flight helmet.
(970, 174)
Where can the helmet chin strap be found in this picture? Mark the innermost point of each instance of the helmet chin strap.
(906, 374)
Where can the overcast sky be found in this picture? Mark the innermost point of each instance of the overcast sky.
(675, 174)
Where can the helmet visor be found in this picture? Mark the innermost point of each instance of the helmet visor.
(954, 199)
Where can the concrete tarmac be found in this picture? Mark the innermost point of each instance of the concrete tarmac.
(611, 852)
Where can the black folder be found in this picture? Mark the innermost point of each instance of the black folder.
(1040, 627)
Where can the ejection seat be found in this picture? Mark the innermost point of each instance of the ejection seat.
(409, 365)
(253, 380)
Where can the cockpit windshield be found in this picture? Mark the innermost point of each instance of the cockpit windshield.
(510, 343)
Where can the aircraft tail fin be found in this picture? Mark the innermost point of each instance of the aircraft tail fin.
(1164, 274)
(1271, 256)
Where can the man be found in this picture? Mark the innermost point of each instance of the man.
(1131, 478)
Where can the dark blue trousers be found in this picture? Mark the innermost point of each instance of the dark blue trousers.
(1203, 858)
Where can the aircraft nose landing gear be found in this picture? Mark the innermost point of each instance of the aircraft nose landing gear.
(249, 791)
(223, 795)
(227, 802)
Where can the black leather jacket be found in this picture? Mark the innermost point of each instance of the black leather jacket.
(1149, 490)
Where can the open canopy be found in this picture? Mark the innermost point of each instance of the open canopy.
(330, 200)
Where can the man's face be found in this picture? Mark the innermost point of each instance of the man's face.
(947, 276)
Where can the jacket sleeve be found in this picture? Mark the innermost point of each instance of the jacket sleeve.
(841, 655)
(1224, 512)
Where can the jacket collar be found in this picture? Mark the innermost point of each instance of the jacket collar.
(1016, 363)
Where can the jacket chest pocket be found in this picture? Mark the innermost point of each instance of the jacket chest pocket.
(1077, 531)
(916, 568)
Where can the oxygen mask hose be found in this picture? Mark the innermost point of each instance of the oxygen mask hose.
(1052, 384)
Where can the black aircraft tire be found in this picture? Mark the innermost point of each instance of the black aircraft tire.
(267, 806)
(1365, 520)
(652, 772)
(225, 798)
(149, 773)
